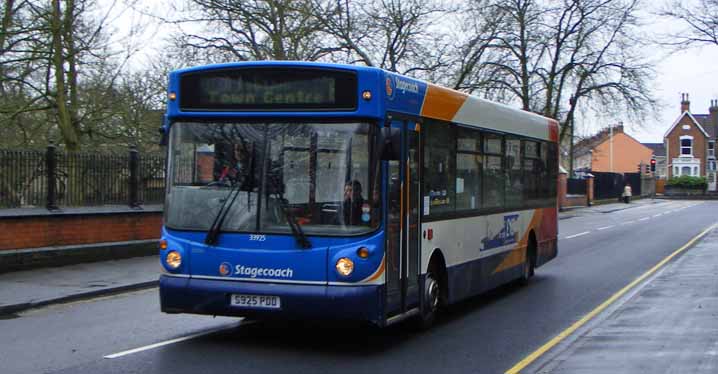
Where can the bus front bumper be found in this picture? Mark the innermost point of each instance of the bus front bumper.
(212, 297)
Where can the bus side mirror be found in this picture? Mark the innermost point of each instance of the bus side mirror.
(390, 143)
(163, 136)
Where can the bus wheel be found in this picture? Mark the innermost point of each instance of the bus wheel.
(432, 300)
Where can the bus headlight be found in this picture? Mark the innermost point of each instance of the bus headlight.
(173, 259)
(345, 266)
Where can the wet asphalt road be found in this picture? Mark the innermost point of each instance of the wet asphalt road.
(600, 251)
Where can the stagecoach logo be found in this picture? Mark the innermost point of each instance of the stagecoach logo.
(394, 84)
(405, 86)
(507, 235)
(225, 269)
(389, 88)
(253, 272)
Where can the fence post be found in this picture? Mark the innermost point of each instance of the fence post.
(562, 182)
(134, 165)
(51, 169)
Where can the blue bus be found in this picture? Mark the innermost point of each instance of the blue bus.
(326, 191)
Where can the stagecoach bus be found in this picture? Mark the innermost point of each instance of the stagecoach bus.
(324, 191)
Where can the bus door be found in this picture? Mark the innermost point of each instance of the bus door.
(402, 246)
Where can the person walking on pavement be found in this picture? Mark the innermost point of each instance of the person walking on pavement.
(626, 193)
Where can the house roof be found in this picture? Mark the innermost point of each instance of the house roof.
(704, 120)
(584, 146)
(588, 144)
(692, 118)
(659, 149)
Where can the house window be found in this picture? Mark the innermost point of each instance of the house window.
(686, 170)
(686, 146)
(675, 171)
(712, 165)
(711, 148)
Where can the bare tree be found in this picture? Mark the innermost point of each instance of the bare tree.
(477, 41)
(554, 58)
(250, 30)
(404, 36)
(699, 20)
(49, 53)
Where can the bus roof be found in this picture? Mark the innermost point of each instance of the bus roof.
(414, 97)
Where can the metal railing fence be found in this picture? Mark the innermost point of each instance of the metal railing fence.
(576, 186)
(53, 179)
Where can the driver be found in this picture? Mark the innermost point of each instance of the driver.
(351, 210)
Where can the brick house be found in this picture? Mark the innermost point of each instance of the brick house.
(659, 154)
(611, 150)
(690, 143)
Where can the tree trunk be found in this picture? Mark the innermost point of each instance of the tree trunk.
(64, 122)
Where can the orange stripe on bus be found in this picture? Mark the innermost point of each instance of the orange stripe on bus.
(442, 103)
(378, 271)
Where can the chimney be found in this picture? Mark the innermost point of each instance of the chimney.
(685, 103)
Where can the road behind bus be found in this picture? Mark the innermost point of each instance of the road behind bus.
(601, 250)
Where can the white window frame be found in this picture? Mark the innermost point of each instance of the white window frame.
(681, 146)
(711, 148)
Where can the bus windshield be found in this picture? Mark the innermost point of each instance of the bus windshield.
(317, 174)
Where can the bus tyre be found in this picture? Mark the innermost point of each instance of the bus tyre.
(527, 268)
(432, 300)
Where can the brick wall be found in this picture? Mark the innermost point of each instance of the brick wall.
(65, 230)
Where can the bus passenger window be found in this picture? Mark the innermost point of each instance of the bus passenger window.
(533, 167)
(493, 172)
(439, 167)
(514, 174)
(468, 169)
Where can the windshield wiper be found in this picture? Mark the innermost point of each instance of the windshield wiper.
(296, 228)
(297, 231)
(213, 233)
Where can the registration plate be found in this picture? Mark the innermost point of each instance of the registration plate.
(256, 301)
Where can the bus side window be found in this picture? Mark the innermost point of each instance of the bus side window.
(440, 166)
(468, 169)
(533, 167)
(514, 174)
(493, 172)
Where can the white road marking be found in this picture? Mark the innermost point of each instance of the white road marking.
(605, 227)
(577, 235)
(669, 211)
(657, 215)
(629, 222)
(644, 218)
(171, 341)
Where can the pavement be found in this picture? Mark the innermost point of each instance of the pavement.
(667, 324)
(29, 289)
(668, 321)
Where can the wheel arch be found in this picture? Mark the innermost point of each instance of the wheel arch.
(438, 262)
(532, 249)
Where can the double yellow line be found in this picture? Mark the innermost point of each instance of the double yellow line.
(565, 333)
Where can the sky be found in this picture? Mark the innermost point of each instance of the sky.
(694, 71)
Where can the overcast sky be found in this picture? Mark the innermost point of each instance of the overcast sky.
(694, 71)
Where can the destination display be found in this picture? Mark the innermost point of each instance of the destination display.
(260, 89)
